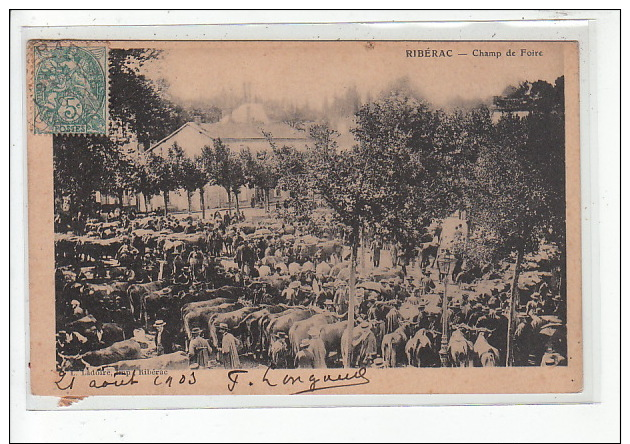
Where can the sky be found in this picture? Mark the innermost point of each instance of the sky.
(312, 72)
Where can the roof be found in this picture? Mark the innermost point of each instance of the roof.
(252, 130)
(183, 132)
(248, 122)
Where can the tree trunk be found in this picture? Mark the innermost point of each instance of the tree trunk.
(351, 297)
(165, 193)
(236, 204)
(267, 200)
(363, 247)
(146, 202)
(189, 197)
(509, 355)
(229, 200)
(121, 196)
(202, 201)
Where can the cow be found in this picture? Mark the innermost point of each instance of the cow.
(331, 335)
(421, 349)
(428, 251)
(485, 354)
(409, 312)
(393, 346)
(285, 321)
(109, 333)
(299, 330)
(172, 361)
(265, 321)
(459, 348)
(231, 318)
(198, 314)
(124, 350)
(251, 330)
(137, 293)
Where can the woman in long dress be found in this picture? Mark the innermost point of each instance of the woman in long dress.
(228, 353)
(198, 349)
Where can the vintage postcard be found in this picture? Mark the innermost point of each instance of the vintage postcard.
(303, 217)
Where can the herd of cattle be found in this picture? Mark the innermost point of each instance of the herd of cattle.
(283, 296)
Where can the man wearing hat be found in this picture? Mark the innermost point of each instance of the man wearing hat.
(378, 363)
(363, 343)
(198, 349)
(279, 350)
(305, 357)
(228, 353)
(393, 318)
(426, 283)
(77, 311)
(317, 347)
(163, 338)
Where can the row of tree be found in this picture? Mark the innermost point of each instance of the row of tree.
(140, 115)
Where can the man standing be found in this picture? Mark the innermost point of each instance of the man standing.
(426, 283)
(228, 353)
(163, 339)
(376, 252)
(305, 357)
(195, 262)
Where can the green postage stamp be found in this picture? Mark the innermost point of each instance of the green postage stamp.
(70, 89)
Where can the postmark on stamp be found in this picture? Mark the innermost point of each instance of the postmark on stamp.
(69, 89)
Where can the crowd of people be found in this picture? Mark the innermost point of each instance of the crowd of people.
(153, 290)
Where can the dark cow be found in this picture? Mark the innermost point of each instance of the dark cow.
(198, 314)
(137, 292)
(421, 349)
(428, 254)
(393, 347)
(231, 318)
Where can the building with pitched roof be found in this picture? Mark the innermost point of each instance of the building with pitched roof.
(248, 126)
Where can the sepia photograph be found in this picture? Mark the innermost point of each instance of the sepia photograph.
(335, 220)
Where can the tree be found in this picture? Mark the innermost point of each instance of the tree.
(260, 172)
(294, 176)
(391, 181)
(121, 174)
(193, 179)
(78, 171)
(137, 105)
(148, 178)
(202, 182)
(237, 177)
(223, 168)
(407, 173)
(517, 195)
(167, 172)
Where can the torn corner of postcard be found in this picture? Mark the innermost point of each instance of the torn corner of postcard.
(303, 217)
